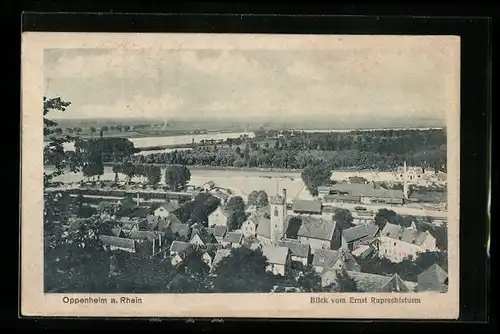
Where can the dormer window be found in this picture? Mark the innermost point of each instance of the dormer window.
(387, 234)
(400, 237)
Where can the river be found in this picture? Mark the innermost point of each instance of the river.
(141, 142)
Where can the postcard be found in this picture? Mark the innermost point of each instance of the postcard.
(240, 175)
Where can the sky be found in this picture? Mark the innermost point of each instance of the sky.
(360, 83)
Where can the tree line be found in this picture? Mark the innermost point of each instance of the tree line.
(296, 159)
(380, 141)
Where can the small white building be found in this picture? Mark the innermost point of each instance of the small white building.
(219, 217)
(397, 243)
(249, 227)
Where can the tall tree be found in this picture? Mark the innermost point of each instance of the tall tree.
(236, 207)
(384, 216)
(177, 176)
(154, 174)
(244, 270)
(343, 217)
(252, 197)
(315, 175)
(129, 170)
(262, 198)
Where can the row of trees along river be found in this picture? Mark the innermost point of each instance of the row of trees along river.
(381, 150)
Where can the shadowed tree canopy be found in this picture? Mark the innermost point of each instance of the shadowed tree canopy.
(315, 175)
(262, 198)
(198, 210)
(177, 176)
(385, 216)
(244, 270)
(343, 283)
(381, 150)
(137, 273)
(310, 281)
(194, 278)
(343, 217)
(252, 197)
(236, 207)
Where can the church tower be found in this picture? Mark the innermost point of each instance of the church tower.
(278, 215)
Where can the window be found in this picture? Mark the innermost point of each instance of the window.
(276, 212)
(394, 244)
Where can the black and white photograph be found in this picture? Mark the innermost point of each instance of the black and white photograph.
(317, 167)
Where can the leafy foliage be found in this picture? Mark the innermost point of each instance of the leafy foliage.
(236, 207)
(177, 176)
(137, 273)
(310, 280)
(378, 149)
(244, 270)
(314, 175)
(198, 210)
(345, 283)
(151, 172)
(262, 198)
(110, 148)
(252, 197)
(54, 151)
(343, 217)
